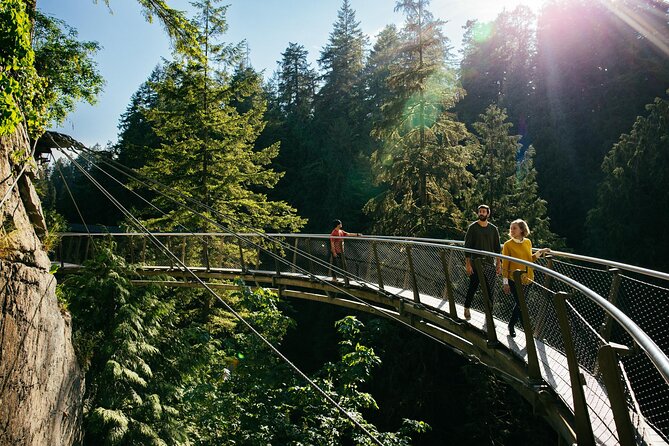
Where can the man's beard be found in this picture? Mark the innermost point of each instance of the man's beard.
(483, 217)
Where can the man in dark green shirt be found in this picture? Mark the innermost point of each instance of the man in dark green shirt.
(482, 236)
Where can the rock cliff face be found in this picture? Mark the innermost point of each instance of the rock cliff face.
(41, 385)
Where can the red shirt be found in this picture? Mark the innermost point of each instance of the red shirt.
(336, 242)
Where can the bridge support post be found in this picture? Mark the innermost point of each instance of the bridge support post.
(345, 268)
(487, 303)
(78, 251)
(412, 272)
(60, 252)
(607, 358)
(292, 268)
(379, 277)
(607, 326)
(277, 267)
(545, 302)
(449, 285)
(584, 435)
(311, 259)
(88, 246)
(241, 255)
(168, 245)
(533, 370)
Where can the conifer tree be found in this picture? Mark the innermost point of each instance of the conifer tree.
(598, 65)
(207, 142)
(425, 151)
(117, 328)
(340, 125)
(506, 179)
(290, 122)
(632, 192)
(296, 82)
(497, 66)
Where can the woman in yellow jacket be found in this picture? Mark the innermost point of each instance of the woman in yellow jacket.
(520, 247)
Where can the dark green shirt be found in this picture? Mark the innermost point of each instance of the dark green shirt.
(482, 239)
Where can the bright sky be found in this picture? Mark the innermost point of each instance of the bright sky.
(131, 47)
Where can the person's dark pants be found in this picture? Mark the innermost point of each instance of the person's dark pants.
(474, 281)
(337, 262)
(515, 313)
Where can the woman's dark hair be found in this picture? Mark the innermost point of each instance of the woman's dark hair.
(336, 223)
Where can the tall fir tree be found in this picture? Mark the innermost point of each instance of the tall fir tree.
(598, 64)
(290, 121)
(498, 67)
(207, 143)
(633, 191)
(506, 179)
(425, 151)
(383, 56)
(340, 126)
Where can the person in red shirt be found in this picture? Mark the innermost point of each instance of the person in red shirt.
(337, 245)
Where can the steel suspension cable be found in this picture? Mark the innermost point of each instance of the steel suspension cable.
(228, 307)
(288, 263)
(69, 192)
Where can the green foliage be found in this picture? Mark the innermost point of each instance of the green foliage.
(506, 179)
(117, 328)
(424, 151)
(21, 87)
(597, 66)
(634, 185)
(342, 180)
(67, 65)
(207, 125)
(498, 66)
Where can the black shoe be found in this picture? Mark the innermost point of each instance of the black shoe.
(512, 331)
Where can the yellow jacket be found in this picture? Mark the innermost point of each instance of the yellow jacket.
(523, 251)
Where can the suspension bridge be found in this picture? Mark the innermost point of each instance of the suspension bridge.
(590, 356)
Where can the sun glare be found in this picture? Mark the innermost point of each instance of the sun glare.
(534, 5)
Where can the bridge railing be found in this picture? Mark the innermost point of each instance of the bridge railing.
(580, 312)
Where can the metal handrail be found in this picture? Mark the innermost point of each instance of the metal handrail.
(437, 242)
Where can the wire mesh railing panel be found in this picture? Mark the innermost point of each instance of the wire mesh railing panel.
(598, 280)
(650, 390)
(646, 304)
(428, 271)
(394, 265)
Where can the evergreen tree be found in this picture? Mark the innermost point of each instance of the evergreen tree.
(117, 328)
(207, 143)
(505, 177)
(497, 66)
(340, 126)
(296, 83)
(634, 186)
(425, 151)
(290, 122)
(137, 141)
(383, 56)
(598, 64)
